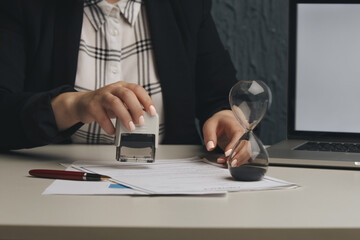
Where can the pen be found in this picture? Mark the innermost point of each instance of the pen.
(68, 175)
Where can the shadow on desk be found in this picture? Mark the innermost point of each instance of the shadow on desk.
(17, 155)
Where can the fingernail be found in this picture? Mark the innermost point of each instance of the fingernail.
(141, 120)
(152, 110)
(234, 163)
(221, 160)
(210, 145)
(132, 126)
(228, 152)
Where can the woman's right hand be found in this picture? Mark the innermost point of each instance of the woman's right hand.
(121, 99)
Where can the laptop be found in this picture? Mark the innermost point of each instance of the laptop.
(324, 86)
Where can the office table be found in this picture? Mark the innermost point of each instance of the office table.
(326, 206)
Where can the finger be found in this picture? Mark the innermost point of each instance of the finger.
(131, 101)
(143, 98)
(241, 154)
(209, 132)
(115, 105)
(103, 120)
(221, 159)
(235, 138)
(245, 154)
(110, 114)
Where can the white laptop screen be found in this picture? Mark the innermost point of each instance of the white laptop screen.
(328, 68)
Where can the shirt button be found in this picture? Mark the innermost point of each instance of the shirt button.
(114, 70)
(114, 32)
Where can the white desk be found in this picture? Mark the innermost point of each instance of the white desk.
(327, 206)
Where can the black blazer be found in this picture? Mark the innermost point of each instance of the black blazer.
(39, 43)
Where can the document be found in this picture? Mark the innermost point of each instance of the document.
(191, 176)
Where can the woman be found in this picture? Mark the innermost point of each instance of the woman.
(68, 67)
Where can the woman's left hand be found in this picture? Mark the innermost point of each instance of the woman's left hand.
(224, 130)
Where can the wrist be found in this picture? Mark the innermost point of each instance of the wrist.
(64, 110)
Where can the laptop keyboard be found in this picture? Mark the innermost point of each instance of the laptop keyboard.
(330, 147)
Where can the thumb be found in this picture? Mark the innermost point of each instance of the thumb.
(209, 133)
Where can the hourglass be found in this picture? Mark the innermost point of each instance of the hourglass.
(249, 159)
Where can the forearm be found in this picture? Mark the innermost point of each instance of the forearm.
(29, 121)
(27, 87)
(215, 73)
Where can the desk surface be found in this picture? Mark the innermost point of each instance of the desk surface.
(327, 206)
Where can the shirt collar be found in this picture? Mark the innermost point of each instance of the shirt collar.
(98, 10)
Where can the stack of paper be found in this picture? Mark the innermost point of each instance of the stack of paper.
(191, 176)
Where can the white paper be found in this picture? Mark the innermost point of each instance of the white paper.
(165, 177)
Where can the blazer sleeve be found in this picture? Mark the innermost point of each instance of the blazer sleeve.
(215, 74)
(26, 118)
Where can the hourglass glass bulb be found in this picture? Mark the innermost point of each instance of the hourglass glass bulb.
(249, 159)
(249, 101)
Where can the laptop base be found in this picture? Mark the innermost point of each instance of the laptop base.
(282, 154)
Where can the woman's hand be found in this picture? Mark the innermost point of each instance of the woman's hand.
(121, 99)
(224, 130)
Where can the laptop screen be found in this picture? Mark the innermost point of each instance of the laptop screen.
(324, 72)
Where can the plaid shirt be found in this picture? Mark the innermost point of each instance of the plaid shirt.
(115, 46)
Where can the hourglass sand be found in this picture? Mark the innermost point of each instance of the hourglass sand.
(249, 159)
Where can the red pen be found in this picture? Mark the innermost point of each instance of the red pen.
(68, 175)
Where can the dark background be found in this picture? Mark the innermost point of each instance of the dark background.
(255, 32)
